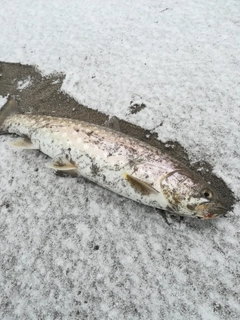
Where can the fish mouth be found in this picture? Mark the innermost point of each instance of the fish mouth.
(211, 210)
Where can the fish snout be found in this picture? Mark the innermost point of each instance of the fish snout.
(212, 210)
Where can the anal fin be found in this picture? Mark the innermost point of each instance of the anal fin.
(23, 143)
(139, 185)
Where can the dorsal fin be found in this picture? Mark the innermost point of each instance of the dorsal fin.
(113, 123)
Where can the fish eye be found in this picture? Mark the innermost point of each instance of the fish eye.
(207, 193)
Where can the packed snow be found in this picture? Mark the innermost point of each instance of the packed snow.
(70, 249)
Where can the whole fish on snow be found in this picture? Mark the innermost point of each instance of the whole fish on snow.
(116, 161)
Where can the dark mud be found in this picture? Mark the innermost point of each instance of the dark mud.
(44, 96)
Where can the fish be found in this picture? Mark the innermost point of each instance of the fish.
(113, 160)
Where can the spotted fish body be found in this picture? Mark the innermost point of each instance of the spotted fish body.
(120, 163)
(100, 154)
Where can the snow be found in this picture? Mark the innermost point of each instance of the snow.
(179, 58)
(3, 100)
(23, 84)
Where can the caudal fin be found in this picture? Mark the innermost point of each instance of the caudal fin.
(11, 107)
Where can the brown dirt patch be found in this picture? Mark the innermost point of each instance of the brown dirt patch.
(44, 96)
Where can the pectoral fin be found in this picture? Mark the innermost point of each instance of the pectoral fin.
(61, 166)
(23, 143)
(139, 185)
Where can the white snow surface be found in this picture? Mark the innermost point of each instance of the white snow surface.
(3, 100)
(182, 60)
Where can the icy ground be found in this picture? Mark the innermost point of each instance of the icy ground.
(71, 250)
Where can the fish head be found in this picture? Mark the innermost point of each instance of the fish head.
(189, 195)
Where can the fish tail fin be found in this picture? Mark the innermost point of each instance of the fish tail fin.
(10, 107)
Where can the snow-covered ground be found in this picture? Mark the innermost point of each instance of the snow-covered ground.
(72, 250)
